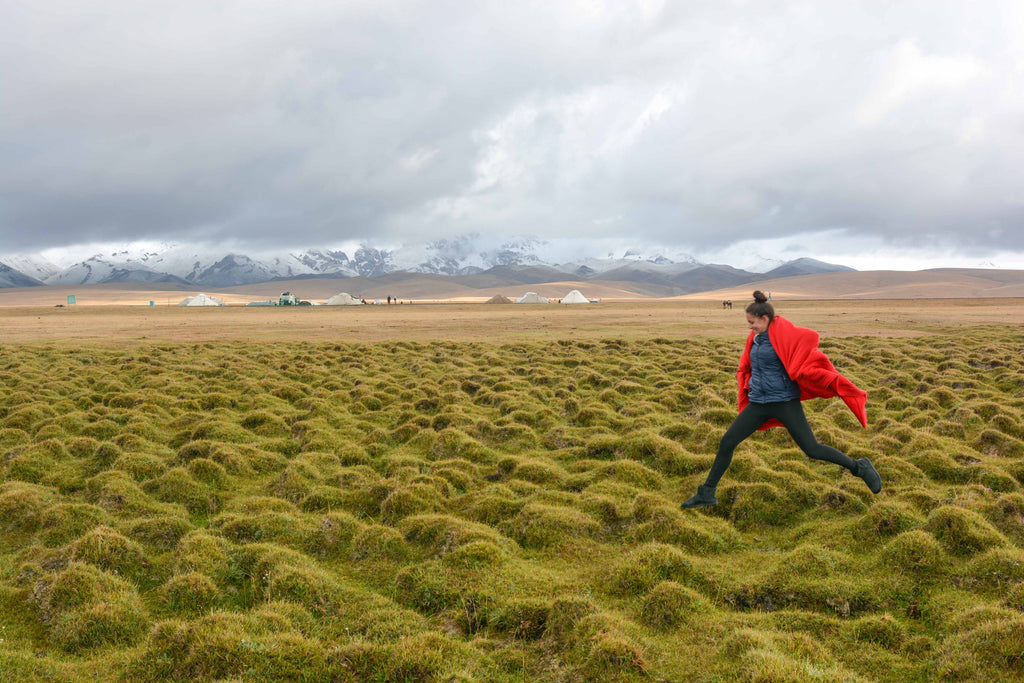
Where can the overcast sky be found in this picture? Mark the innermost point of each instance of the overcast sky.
(875, 134)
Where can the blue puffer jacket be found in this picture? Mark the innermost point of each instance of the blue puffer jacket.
(769, 381)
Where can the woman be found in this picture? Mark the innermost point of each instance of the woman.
(780, 367)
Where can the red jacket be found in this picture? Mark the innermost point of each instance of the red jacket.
(807, 365)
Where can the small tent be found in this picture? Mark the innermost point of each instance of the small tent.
(343, 299)
(574, 297)
(532, 298)
(498, 299)
(200, 300)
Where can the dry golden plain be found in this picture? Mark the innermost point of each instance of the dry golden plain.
(494, 323)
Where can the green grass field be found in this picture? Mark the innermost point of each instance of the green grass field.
(457, 511)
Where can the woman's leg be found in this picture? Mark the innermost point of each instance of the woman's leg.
(791, 415)
(745, 424)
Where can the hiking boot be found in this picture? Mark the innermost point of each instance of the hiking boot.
(705, 496)
(867, 472)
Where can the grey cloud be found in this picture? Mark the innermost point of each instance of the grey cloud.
(688, 124)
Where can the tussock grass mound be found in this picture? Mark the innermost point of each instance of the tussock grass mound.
(109, 550)
(84, 607)
(962, 531)
(473, 511)
(916, 553)
(23, 504)
(190, 594)
(670, 604)
(539, 525)
(648, 565)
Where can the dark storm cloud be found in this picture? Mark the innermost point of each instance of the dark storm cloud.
(689, 124)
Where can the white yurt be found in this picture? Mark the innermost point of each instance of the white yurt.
(343, 299)
(575, 297)
(532, 298)
(201, 300)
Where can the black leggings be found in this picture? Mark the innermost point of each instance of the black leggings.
(791, 415)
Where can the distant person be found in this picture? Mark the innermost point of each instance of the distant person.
(389, 299)
(780, 367)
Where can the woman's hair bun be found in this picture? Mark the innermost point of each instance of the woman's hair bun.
(759, 296)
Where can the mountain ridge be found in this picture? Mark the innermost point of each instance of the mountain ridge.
(518, 260)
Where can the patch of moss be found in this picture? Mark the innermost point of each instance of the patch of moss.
(647, 565)
(119, 494)
(202, 552)
(1014, 597)
(376, 541)
(452, 443)
(631, 473)
(670, 604)
(313, 588)
(997, 443)
(1007, 514)
(427, 587)
(213, 647)
(889, 518)
(443, 534)
(539, 471)
(176, 485)
(997, 568)
(962, 531)
(109, 550)
(85, 607)
(64, 522)
(917, 553)
(280, 527)
(492, 505)
(539, 526)
(265, 423)
(190, 594)
(699, 535)
(208, 472)
(604, 648)
(408, 500)
(140, 466)
(748, 505)
(989, 651)
(23, 504)
(883, 630)
(477, 555)
(162, 532)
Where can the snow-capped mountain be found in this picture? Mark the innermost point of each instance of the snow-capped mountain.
(9, 277)
(35, 267)
(466, 255)
(93, 270)
(316, 261)
(762, 264)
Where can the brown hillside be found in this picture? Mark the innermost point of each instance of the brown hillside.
(945, 283)
(942, 283)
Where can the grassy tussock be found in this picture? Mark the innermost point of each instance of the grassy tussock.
(456, 511)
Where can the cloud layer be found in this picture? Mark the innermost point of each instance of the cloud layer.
(695, 125)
